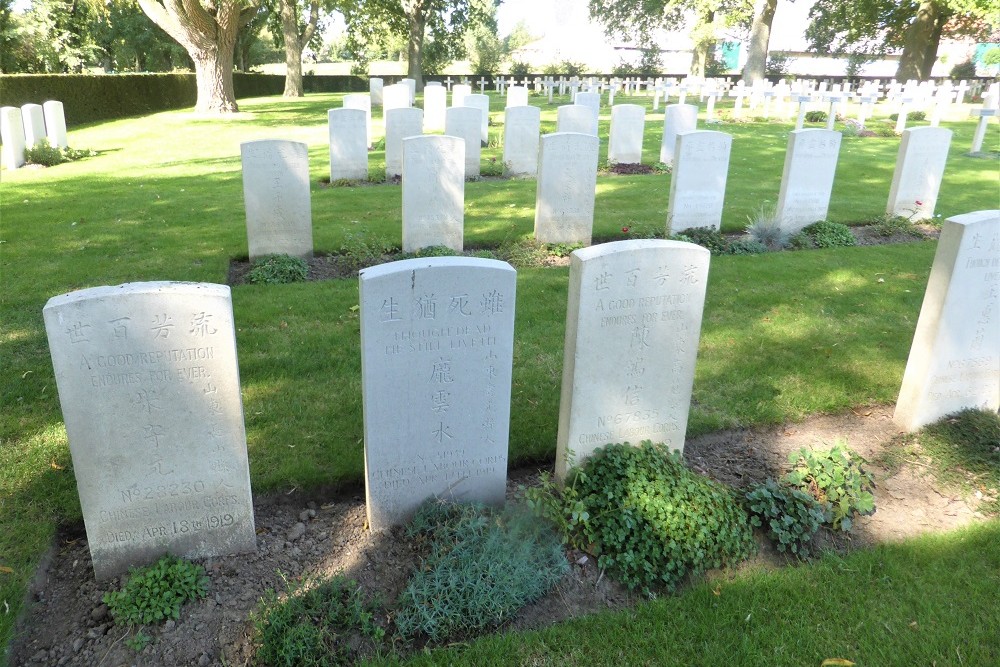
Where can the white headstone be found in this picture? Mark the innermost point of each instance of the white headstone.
(411, 88)
(150, 392)
(954, 362)
(396, 96)
(677, 118)
(458, 93)
(364, 103)
(276, 197)
(566, 186)
(433, 192)
(481, 102)
(464, 122)
(591, 100)
(628, 122)
(576, 118)
(520, 140)
(375, 86)
(33, 119)
(916, 181)
(437, 338)
(400, 124)
(807, 179)
(633, 322)
(12, 137)
(698, 183)
(55, 123)
(435, 103)
(348, 152)
(517, 96)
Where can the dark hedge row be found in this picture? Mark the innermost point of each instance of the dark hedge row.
(88, 98)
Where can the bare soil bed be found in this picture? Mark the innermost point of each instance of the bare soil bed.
(299, 534)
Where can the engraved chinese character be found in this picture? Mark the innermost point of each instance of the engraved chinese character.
(976, 238)
(491, 371)
(215, 406)
(77, 334)
(162, 326)
(489, 422)
(441, 432)
(636, 367)
(632, 394)
(440, 401)
(200, 325)
(690, 274)
(662, 274)
(145, 401)
(601, 281)
(460, 304)
(632, 277)
(157, 465)
(995, 243)
(210, 389)
(441, 372)
(119, 327)
(154, 432)
(640, 337)
(390, 310)
(492, 303)
(425, 307)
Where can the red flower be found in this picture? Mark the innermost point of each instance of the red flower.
(625, 230)
(919, 203)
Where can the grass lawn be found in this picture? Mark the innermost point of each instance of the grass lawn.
(785, 335)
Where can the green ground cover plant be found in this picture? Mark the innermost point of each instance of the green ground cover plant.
(149, 209)
(647, 517)
(155, 593)
(836, 478)
(278, 270)
(315, 624)
(823, 234)
(789, 516)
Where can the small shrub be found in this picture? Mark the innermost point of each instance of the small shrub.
(315, 625)
(44, 154)
(643, 230)
(851, 128)
(765, 228)
(888, 225)
(519, 70)
(481, 566)
(816, 116)
(435, 251)
(791, 517)
(362, 249)
(138, 641)
(278, 270)
(707, 237)
(744, 247)
(884, 131)
(562, 249)
(966, 70)
(522, 253)
(650, 519)
(836, 479)
(155, 593)
(777, 64)
(492, 167)
(823, 234)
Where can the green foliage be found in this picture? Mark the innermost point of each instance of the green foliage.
(561, 506)
(278, 270)
(155, 593)
(562, 249)
(492, 167)
(888, 225)
(519, 70)
(855, 63)
(815, 116)
(44, 154)
(966, 71)
(522, 253)
(790, 517)
(823, 234)
(777, 64)
(362, 249)
(707, 237)
(138, 641)
(624, 68)
(316, 625)
(991, 56)
(644, 229)
(479, 567)
(765, 228)
(652, 520)
(836, 479)
(912, 115)
(744, 247)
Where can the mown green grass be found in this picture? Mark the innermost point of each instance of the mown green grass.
(785, 335)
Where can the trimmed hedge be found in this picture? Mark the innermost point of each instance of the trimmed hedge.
(89, 98)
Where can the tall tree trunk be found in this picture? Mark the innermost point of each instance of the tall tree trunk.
(210, 40)
(760, 37)
(704, 40)
(415, 46)
(295, 43)
(920, 42)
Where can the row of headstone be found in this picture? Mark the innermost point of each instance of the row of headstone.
(25, 127)
(437, 357)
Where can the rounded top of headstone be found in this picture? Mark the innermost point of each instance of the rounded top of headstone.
(422, 263)
(129, 289)
(633, 245)
(988, 215)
